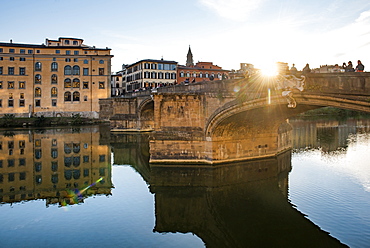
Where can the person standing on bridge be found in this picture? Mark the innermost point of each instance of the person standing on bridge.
(360, 67)
(349, 67)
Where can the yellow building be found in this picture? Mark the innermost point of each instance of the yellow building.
(59, 78)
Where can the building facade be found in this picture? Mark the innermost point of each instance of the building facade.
(201, 71)
(59, 78)
(149, 73)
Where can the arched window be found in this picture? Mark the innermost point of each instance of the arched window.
(68, 174)
(194, 74)
(76, 83)
(67, 83)
(37, 92)
(54, 66)
(76, 147)
(67, 148)
(54, 79)
(76, 161)
(160, 75)
(187, 74)
(146, 74)
(182, 74)
(173, 75)
(67, 96)
(54, 92)
(101, 61)
(67, 70)
(206, 74)
(37, 79)
(154, 74)
(76, 174)
(167, 75)
(38, 66)
(76, 70)
(86, 61)
(76, 96)
(200, 74)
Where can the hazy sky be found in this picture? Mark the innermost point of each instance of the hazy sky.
(225, 32)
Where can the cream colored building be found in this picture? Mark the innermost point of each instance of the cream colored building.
(149, 73)
(59, 78)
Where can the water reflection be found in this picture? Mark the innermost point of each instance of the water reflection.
(231, 205)
(62, 166)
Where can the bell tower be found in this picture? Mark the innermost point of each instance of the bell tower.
(189, 59)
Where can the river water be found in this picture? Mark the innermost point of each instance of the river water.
(87, 187)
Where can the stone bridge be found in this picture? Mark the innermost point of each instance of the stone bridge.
(230, 120)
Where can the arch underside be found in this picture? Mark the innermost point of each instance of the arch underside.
(257, 113)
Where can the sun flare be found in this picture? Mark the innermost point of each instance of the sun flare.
(269, 70)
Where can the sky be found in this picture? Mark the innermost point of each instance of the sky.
(225, 32)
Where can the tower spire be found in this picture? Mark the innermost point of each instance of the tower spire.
(189, 58)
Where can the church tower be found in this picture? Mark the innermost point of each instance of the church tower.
(189, 59)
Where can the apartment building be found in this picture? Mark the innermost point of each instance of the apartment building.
(149, 73)
(58, 78)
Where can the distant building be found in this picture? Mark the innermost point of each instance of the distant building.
(149, 73)
(245, 71)
(59, 78)
(201, 71)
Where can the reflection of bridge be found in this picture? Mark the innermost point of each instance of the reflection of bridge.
(231, 205)
(229, 120)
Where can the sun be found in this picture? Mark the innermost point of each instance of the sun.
(269, 70)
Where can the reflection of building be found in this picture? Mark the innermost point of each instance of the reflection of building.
(149, 73)
(51, 164)
(58, 78)
(201, 71)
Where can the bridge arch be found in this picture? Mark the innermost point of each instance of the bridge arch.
(277, 111)
(145, 113)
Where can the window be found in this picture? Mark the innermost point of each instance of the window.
(67, 70)
(10, 85)
(54, 102)
(67, 83)
(38, 66)
(37, 79)
(154, 66)
(22, 162)
(85, 85)
(54, 152)
(54, 178)
(101, 85)
(1, 103)
(76, 52)
(75, 60)
(76, 70)
(1, 70)
(86, 61)
(68, 60)
(22, 85)
(37, 51)
(76, 83)
(57, 51)
(11, 50)
(10, 70)
(10, 100)
(54, 92)
(22, 70)
(11, 58)
(37, 92)
(22, 59)
(154, 75)
(1, 84)
(85, 71)
(11, 177)
(76, 96)
(67, 96)
(54, 66)
(23, 51)
(38, 179)
(54, 79)
(22, 176)
(30, 51)
(85, 98)
(54, 166)
(68, 52)
(101, 71)
(101, 61)
(75, 42)
(38, 103)
(22, 103)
